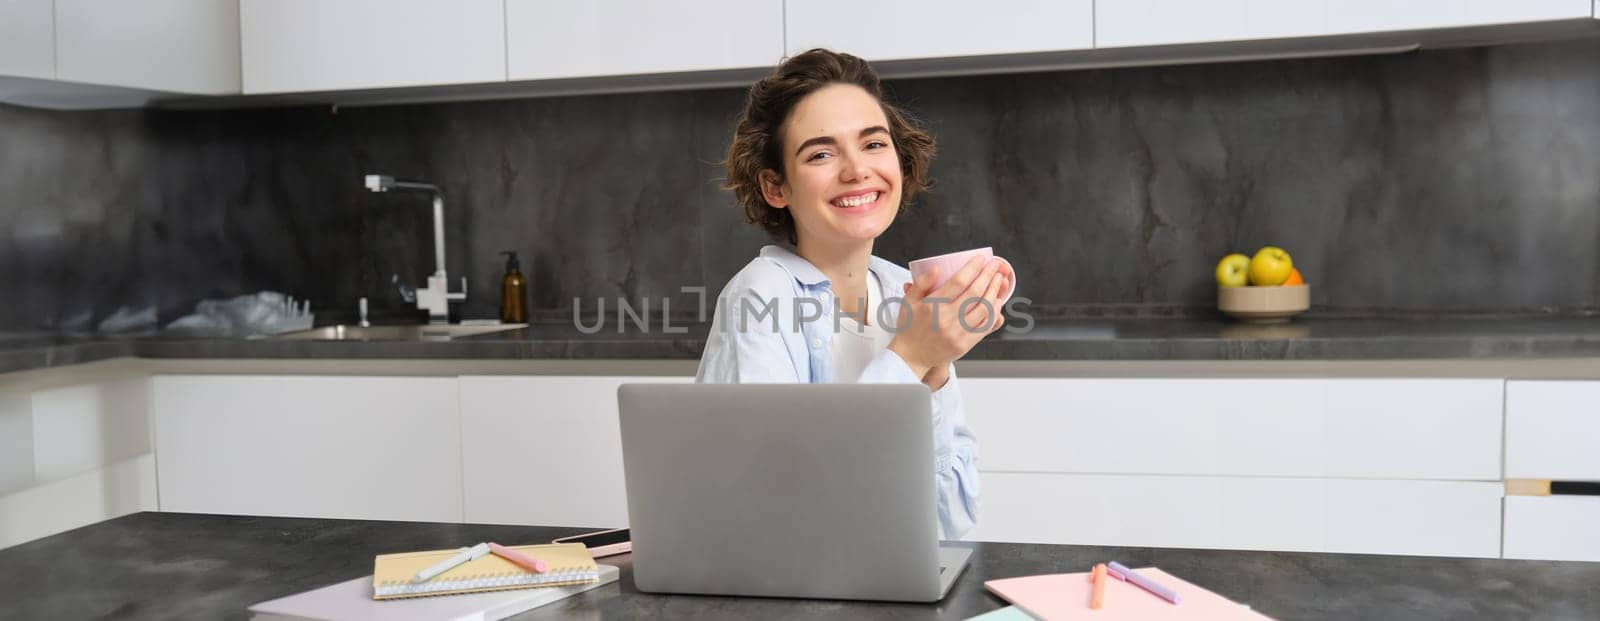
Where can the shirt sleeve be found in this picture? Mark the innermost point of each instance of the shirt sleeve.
(955, 448)
(753, 355)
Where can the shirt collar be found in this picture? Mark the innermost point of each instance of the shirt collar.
(801, 269)
(889, 274)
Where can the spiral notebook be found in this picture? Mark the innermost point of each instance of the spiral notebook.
(351, 600)
(570, 563)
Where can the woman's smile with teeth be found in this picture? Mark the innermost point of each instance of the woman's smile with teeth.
(856, 201)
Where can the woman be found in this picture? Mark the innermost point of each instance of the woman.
(822, 163)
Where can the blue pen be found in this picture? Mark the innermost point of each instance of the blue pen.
(1121, 572)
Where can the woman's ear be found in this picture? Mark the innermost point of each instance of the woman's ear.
(772, 189)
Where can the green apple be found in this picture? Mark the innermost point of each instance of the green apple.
(1270, 267)
(1231, 270)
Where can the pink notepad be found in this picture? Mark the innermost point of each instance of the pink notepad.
(1066, 596)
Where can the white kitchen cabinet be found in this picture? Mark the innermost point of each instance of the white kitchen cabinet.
(1388, 466)
(544, 450)
(1440, 429)
(558, 39)
(1431, 518)
(1126, 23)
(1361, 428)
(178, 46)
(101, 494)
(1350, 16)
(1138, 426)
(912, 29)
(27, 39)
(1557, 528)
(1416, 518)
(81, 428)
(16, 442)
(1130, 23)
(326, 45)
(377, 448)
(1553, 430)
(1155, 511)
(74, 455)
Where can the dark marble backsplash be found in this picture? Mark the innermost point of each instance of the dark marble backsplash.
(1439, 181)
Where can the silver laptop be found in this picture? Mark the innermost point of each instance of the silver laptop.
(784, 490)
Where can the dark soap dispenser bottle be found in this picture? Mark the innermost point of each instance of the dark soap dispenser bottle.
(513, 291)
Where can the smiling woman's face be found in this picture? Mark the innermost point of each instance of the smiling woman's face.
(843, 176)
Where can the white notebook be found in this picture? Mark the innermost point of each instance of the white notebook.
(351, 600)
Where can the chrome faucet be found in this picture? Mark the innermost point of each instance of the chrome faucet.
(436, 297)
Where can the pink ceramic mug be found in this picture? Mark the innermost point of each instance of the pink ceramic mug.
(949, 264)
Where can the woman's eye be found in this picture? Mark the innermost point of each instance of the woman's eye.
(817, 156)
(877, 144)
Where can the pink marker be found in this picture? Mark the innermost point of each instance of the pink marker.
(526, 562)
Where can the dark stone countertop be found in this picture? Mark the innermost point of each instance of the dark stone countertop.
(186, 566)
(1047, 339)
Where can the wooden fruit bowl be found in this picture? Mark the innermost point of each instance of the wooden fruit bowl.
(1264, 304)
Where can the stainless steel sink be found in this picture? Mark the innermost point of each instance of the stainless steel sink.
(430, 332)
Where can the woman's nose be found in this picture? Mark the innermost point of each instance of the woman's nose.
(853, 168)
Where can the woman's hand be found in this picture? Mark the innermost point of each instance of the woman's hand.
(932, 332)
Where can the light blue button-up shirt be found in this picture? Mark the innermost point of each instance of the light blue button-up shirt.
(798, 350)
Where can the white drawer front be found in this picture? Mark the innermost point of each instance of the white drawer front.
(571, 423)
(1552, 430)
(374, 448)
(1140, 426)
(1557, 528)
(1158, 511)
(1363, 428)
(1437, 518)
(1414, 428)
(1418, 518)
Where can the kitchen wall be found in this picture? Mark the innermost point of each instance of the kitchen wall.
(1440, 181)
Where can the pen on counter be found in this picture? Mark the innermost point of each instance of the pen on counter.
(466, 554)
(1099, 593)
(1120, 572)
(522, 560)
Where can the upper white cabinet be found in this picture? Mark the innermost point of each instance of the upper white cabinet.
(563, 39)
(911, 29)
(1377, 15)
(178, 46)
(1129, 23)
(1124, 23)
(27, 39)
(87, 54)
(325, 45)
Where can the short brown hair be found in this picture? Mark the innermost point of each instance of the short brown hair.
(758, 135)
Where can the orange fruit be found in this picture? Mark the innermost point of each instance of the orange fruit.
(1294, 278)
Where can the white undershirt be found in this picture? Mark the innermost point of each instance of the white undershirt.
(855, 345)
